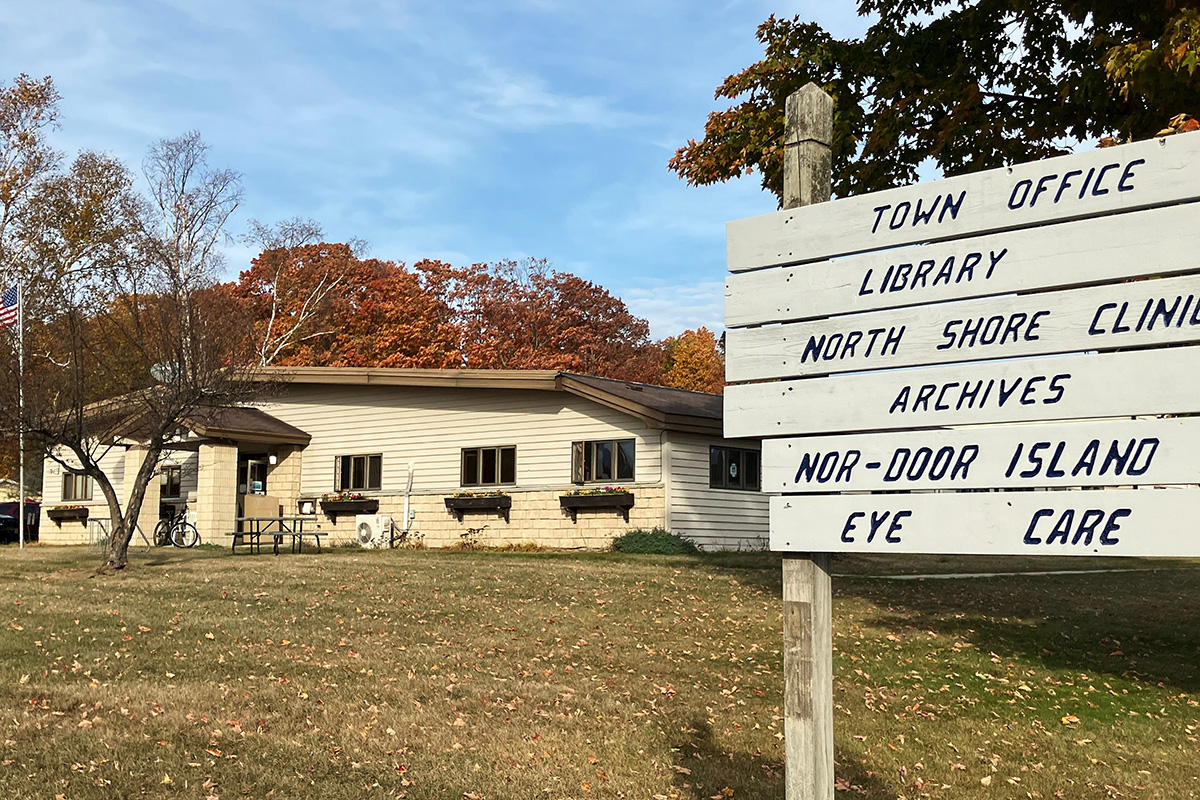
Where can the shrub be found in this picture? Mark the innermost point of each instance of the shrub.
(657, 541)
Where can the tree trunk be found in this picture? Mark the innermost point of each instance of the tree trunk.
(118, 546)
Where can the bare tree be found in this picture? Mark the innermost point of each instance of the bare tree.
(285, 234)
(292, 280)
(128, 334)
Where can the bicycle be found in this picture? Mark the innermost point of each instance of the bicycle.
(176, 531)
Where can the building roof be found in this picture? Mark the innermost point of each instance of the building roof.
(244, 424)
(657, 406)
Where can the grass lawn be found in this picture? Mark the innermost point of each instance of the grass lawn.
(440, 675)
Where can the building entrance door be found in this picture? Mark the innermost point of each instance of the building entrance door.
(252, 475)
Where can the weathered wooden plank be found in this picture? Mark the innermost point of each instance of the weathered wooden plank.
(1112, 522)
(1146, 243)
(1112, 317)
(1125, 178)
(1143, 452)
(808, 675)
(807, 593)
(1162, 381)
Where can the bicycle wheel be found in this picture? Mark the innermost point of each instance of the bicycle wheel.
(162, 533)
(184, 534)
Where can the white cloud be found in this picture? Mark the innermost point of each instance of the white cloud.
(672, 308)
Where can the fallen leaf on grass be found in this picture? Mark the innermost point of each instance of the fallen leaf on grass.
(1070, 719)
(986, 780)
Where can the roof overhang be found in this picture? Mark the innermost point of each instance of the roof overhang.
(541, 380)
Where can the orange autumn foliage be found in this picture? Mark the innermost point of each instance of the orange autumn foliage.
(524, 315)
(319, 305)
(693, 360)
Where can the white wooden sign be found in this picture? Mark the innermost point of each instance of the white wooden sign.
(1111, 317)
(1126, 178)
(1159, 381)
(1146, 243)
(1113, 522)
(1144, 452)
(978, 333)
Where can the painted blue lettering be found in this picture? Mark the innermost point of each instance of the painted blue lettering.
(1023, 186)
(1127, 174)
(849, 526)
(863, 290)
(952, 206)
(994, 257)
(1087, 526)
(1037, 515)
(1093, 329)
(924, 218)
(812, 350)
(848, 463)
(966, 457)
(1041, 187)
(1113, 526)
(1027, 395)
(878, 216)
(1066, 181)
(1096, 190)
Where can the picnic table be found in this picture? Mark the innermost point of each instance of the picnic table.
(254, 528)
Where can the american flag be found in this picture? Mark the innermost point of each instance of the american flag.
(8, 308)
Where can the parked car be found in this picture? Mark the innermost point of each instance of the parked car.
(9, 522)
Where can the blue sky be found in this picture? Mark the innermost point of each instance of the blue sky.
(465, 131)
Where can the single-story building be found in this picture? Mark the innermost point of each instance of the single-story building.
(500, 456)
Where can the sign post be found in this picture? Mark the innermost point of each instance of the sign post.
(931, 366)
(807, 593)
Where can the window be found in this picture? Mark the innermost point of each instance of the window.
(733, 468)
(358, 473)
(602, 461)
(76, 487)
(489, 466)
(171, 484)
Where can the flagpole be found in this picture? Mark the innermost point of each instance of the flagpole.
(21, 414)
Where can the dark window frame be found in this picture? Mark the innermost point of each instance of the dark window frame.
(349, 471)
(589, 465)
(166, 478)
(745, 478)
(499, 467)
(81, 487)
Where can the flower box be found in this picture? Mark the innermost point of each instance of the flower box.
(495, 502)
(620, 502)
(61, 515)
(335, 508)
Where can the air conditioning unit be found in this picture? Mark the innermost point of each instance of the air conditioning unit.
(373, 530)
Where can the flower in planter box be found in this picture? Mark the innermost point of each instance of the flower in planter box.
(66, 508)
(342, 497)
(496, 493)
(598, 490)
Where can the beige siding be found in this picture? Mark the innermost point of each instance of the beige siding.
(113, 464)
(714, 518)
(189, 463)
(429, 427)
(536, 516)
